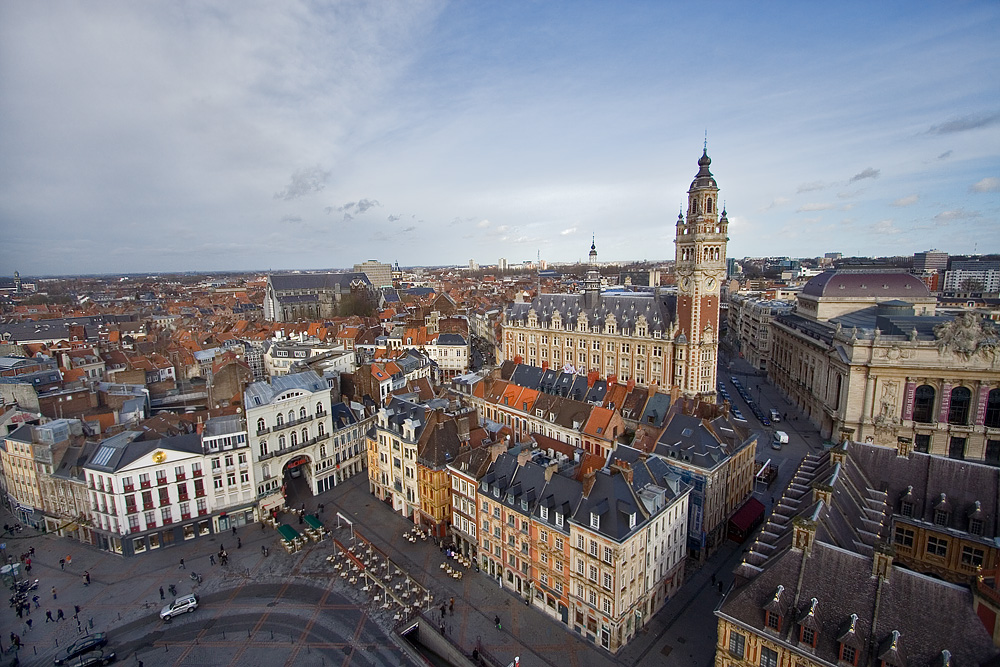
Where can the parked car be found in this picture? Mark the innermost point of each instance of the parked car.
(738, 415)
(81, 646)
(182, 605)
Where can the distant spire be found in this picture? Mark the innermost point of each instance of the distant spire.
(705, 147)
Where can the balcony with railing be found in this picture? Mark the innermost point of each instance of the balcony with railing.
(294, 422)
(302, 445)
(180, 477)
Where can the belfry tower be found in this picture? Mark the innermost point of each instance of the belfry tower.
(700, 266)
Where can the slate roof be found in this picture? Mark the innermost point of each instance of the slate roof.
(842, 584)
(261, 393)
(314, 281)
(866, 283)
(660, 311)
(700, 442)
(121, 449)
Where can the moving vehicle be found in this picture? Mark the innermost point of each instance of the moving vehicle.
(775, 415)
(96, 659)
(780, 438)
(181, 605)
(79, 647)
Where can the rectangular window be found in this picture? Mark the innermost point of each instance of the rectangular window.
(922, 442)
(904, 537)
(848, 654)
(937, 546)
(768, 657)
(972, 557)
(773, 620)
(593, 573)
(737, 645)
(608, 553)
(607, 580)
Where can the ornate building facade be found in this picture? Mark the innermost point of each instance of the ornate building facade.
(666, 340)
(865, 357)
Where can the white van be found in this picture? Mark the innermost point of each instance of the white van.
(780, 438)
(775, 415)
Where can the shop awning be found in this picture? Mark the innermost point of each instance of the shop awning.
(747, 516)
(287, 532)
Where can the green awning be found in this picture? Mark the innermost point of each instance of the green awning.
(287, 532)
(313, 522)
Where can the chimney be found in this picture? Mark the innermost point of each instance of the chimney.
(588, 483)
(550, 470)
(882, 556)
(523, 457)
(624, 469)
(803, 534)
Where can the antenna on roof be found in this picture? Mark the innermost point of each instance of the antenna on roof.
(706, 140)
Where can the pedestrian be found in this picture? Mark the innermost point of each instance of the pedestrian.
(20, 611)
(239, 542)
(263, 549)
(48, 616)
(161, 593)
(28, 623)
(76, 610)
(182, 566)
(62, 563)
(321, 508)
(211, 558)
(451, 606)
(234, 531)
(443, 610)
(59, 615)
(497, 621)
(53, 592)
(35, 600)
(86, 574)
(263, 528)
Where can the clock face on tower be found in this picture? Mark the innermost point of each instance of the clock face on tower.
(685, 283)
(710, 283)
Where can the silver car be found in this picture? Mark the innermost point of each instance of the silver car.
(181, 605)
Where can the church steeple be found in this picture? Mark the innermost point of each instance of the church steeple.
(592, 285)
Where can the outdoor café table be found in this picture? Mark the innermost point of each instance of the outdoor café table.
(313, 522)
(288, 533)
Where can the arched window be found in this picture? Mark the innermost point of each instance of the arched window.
(260, 424)
(281, 442)
(958, 410)
(321, 429)
(322, 451)
(294, 438)
(305, 435)
(993, 409)
(291, 416)
(302, 412)
(708, 205)
(280, 419)
(923, 404)
(263, 448)
(319, 408)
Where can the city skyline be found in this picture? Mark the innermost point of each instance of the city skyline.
(161, 137)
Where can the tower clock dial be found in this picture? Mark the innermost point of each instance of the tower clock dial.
(685, 283)
(710, 283)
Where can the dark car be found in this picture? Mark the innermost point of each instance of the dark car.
(96, 659)
(79, 647)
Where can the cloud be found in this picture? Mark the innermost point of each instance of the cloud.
(393, 218)
(867, 173)
(810, 187)
(886, 227)
(304, 182)
(776, 202)
(567, 232)
(411, 228)
(988, 184)
(945, 155)
(291, 218)
(483, 224)
(956, 214)
(815, 207)
(966, 123)
(365, 204)
(906, 201)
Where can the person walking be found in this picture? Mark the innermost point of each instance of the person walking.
(239, 543)
(34, 599)
(234, 531)
(53, 592)
(86, 575)
(497, 621)
(211, 559)
(48, 616)
(451, 606)
(28, 623)
(59, 615)
(62, 563)
(161, 593)
(182, 566)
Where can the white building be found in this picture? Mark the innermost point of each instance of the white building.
(297, 433)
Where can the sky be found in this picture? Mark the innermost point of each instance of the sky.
(224, 136)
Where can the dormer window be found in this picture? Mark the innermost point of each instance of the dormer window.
(545, 513)
(595, 520)
(524, 504)
(807, 636)
(848, 654)
(941, 517)
(906, 508)
(976, 526)
(773, 621)
(559, 519)
(631, 521)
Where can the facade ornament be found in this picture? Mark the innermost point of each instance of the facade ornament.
(966, 336)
